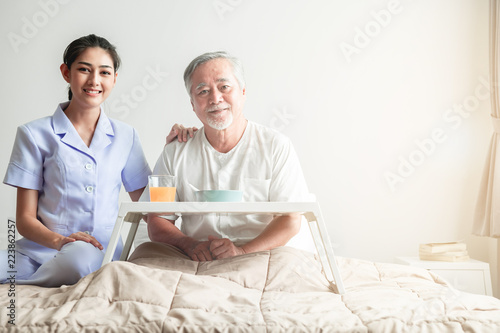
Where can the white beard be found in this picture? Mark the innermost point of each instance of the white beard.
(220, 122)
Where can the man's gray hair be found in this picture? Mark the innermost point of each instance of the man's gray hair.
(235, 62)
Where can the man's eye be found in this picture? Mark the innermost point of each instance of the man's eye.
(203, 92)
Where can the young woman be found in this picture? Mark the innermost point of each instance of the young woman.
(68, 169)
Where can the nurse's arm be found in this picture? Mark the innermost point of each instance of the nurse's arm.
(31, 228)
(165, 231)
(135, 195)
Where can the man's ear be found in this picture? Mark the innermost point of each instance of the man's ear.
(65, 72)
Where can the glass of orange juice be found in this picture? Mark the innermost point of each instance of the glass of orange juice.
(161, 188)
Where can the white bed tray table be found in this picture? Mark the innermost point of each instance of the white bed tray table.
(133, 212)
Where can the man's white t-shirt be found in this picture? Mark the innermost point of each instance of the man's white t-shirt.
(263, 165)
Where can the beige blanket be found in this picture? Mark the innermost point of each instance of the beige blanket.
(282, 290)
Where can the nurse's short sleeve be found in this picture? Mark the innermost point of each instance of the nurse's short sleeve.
(136, 171)
(25, 167)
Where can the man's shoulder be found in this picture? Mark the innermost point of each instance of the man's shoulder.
(176, 147)
(267, 133)
(263, 128)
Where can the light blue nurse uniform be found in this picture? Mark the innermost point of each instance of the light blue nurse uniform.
(78, 188)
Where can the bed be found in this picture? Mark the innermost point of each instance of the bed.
(159, 289)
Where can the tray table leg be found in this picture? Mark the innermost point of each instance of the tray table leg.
(113, 241)
(130, 240)
(323, 244)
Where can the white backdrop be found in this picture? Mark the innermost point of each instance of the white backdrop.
(385, 100)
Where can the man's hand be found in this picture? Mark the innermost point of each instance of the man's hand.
(165, 231)
(223, 248)
(200, 251)
(181, 133)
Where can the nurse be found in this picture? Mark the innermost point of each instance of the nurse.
(68, 169)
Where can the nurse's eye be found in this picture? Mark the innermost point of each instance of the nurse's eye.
(83, 69)
(106, 73)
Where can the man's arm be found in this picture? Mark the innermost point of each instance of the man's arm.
(277, 233)
(164, 231)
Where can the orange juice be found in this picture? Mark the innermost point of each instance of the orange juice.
(162, 194)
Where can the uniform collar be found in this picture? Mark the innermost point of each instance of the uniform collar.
(63, 127)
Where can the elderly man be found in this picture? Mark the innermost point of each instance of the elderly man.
(228, 153)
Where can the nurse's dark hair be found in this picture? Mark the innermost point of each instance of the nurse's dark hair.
(76, 47)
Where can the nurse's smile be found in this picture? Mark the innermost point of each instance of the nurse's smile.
(92, 92)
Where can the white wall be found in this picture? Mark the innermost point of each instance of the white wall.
(361, 87)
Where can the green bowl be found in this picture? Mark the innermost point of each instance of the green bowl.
(219, 196)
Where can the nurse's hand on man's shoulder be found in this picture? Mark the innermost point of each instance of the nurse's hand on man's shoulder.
(181, 133)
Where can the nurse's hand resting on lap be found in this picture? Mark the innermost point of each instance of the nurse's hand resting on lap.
(79, 236)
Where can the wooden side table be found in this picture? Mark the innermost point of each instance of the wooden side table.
(472, 276)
